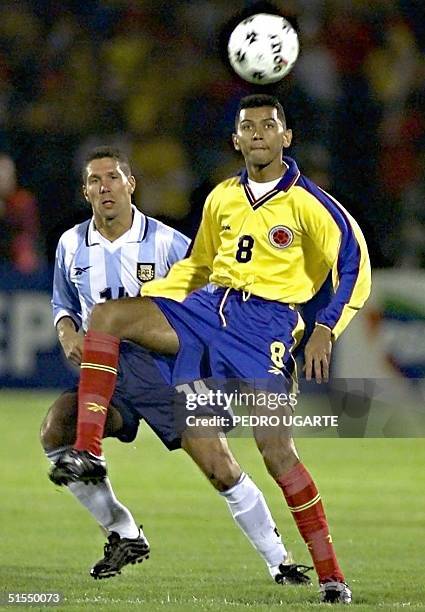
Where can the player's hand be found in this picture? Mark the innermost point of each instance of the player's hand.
(318, 354)
(73, 348)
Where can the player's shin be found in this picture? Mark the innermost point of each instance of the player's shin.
(101, 502)
(304, 502)
(97, 383)
(249, 509)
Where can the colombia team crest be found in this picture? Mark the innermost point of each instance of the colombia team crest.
(281, 236)
(145, 272)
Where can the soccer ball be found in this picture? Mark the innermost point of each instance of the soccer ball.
(263, 48)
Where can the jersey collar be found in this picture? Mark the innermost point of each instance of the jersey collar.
(136, 233)
(289, 178)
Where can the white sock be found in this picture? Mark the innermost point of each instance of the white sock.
(100, 501)
(250, 511)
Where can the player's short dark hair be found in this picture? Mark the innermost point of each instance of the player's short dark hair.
(107, 151)
(257, 100)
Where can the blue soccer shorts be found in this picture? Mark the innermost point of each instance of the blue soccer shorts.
(238, 335)
(144, 392)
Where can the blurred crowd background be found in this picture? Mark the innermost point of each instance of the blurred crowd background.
(152, 77)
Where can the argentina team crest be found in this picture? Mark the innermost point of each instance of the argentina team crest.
(145, 272)
(281, 236)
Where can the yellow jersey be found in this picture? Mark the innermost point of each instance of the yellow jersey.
(280, 247)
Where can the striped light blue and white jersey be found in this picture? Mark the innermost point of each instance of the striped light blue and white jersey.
(90, 269)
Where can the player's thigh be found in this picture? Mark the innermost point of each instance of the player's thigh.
(138, 319)
(59, 427)
(209, 449)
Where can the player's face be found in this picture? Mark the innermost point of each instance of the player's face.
(107, 188)
(261, 135)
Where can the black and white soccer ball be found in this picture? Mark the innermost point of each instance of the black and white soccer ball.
(263, 48)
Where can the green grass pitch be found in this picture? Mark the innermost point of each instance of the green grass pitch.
(373, 491)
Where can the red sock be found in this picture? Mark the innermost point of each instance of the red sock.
(97, 383)
(304, 502)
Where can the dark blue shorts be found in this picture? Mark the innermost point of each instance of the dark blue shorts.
(236, 336)
(144, 391)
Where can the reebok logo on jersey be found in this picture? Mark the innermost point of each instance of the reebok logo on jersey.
(79, 271)
(93, 407)
(281, 236)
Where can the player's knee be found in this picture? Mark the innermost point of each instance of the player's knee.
(279, 455)
(59, 427)
(214, 458)
(105, 318)
(223, 471)
(50, 434)
(118, 318)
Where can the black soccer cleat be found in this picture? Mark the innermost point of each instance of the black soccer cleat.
(75, 465)
(119, 552)
(293, 574)
(335, 592)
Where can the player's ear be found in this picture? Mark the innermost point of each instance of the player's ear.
(132, 182)
(236, 142)
(287, 138)
(85, 193)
